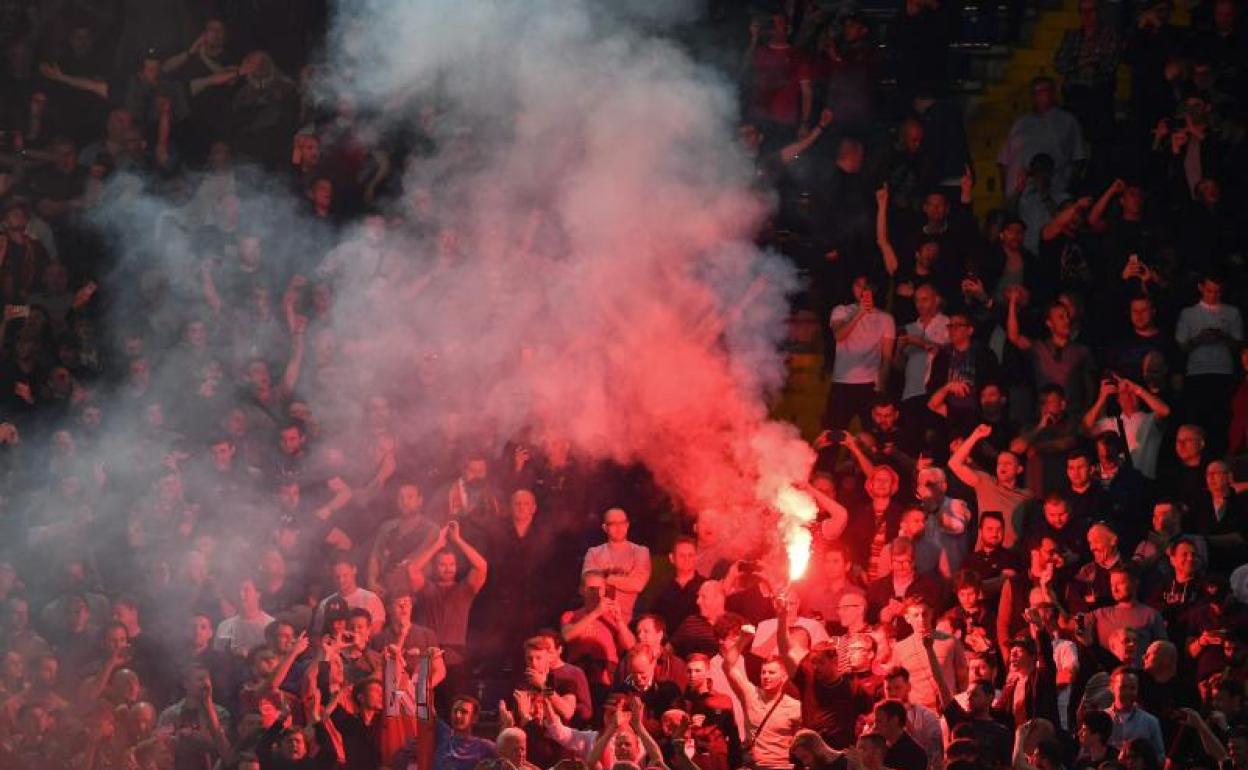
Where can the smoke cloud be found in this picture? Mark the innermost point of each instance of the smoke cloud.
(574, 257)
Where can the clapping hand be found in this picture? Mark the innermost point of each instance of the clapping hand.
(505, 718)
(958, 387)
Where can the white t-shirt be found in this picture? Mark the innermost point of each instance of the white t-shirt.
(919, 360)
(238, 636)
(858, 355)
(1209, 359)
(1055, 133)
(766, 642)
(360, 598)
(1143, 439)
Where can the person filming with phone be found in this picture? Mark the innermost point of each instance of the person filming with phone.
(1142, 429)
(596, 632)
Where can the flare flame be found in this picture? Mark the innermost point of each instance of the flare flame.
(797, 510)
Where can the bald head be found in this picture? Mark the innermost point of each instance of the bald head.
(1161, 659)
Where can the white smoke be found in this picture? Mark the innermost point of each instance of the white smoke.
(605, 214)
(574, 259)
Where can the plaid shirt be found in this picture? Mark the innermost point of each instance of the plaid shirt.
(1088, 60)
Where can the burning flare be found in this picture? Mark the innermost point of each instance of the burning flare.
(797, 511)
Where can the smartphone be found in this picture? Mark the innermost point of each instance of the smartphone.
(610, 592)
(836, 436)
(593, 595)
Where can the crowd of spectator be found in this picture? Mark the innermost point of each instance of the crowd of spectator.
(1030, 535)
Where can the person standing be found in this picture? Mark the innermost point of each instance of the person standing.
(625, 564)
(772, 717)
(1208, 332)
(865, 336)
(445, 603)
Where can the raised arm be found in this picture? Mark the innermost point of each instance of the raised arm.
(783, 643)
(850, 442)
(572, 630)
(294, 365)
(90, 85)
(372, 572)
(792, 151)
(209, 287)
(223, 78)
(955, 386)
(176, 61)
(290, 299)
(342, 495)
(610, 727)
(1045, 437)
(1043, 692)
(943, 693)
(838, 515)
(274, 680)
(211, 722)
(609, 612)
(416, 567)
(1093, 414)
(1065, 218)
(958, 460)
(966, 192)
(1096, 218)
(881, 231)
(1208, 741)
(1012, 329)
(1161, 410)
(478, 568)
(94, 687)
(737, 679)
(654, 753)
